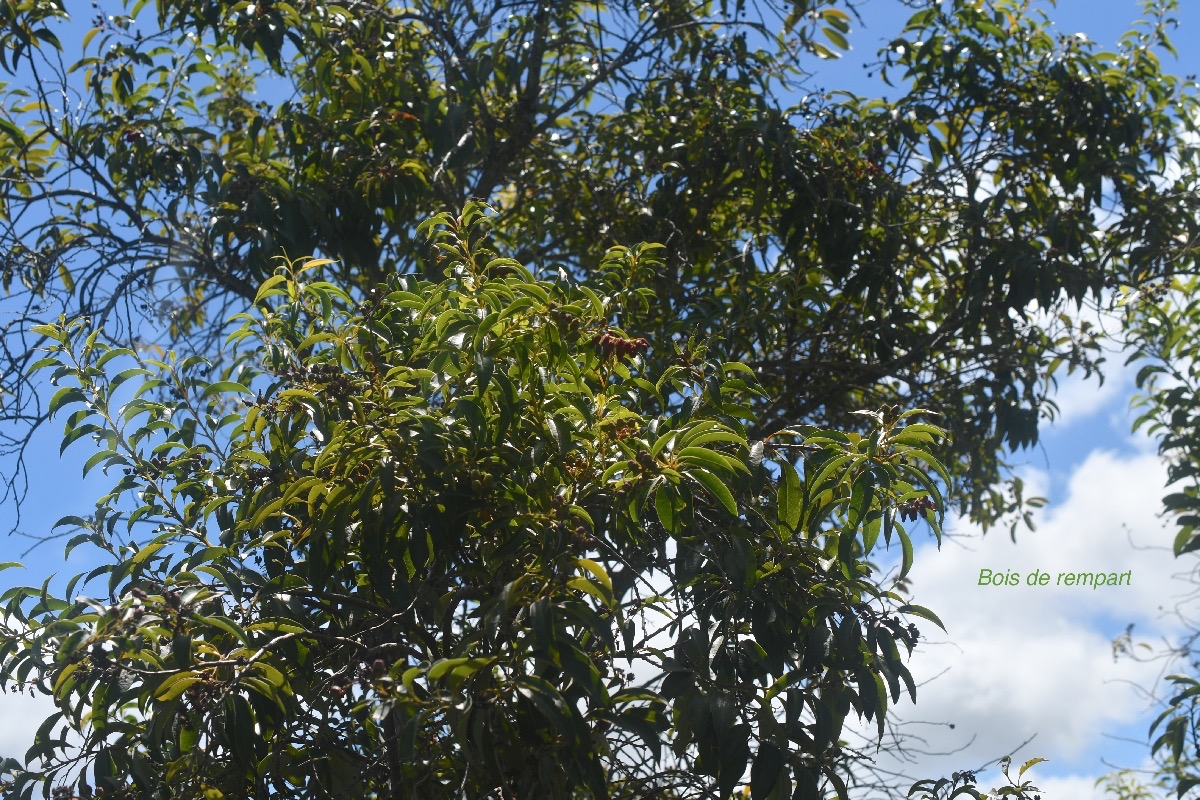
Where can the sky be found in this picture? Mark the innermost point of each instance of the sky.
(1017, 661)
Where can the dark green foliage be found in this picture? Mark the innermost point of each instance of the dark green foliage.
(443, 541)
(406, 525)
(1162, 329)
(963, 784)
(853, 252)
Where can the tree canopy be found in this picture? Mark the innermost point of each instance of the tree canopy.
(1162, 328)
(460, 539)
(929, 250)
(405, 482)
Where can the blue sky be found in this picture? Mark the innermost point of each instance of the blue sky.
(1017, 661)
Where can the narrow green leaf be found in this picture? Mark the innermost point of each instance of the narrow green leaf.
(906, 552)
(862, 493)
(593, 567)
(765, 772)
(790, 496)
(709, 459)
(175, 685)
(715, 487)
(734, 753)
(224, 387)
(67, 394)
(664, 505)
(922, 612)
(226, 625)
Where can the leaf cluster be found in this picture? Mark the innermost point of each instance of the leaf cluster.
(442, 539)
(854, 252)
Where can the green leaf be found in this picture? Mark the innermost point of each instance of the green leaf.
(922, 612)
(861, 496)
(224, 387)
(664, 506)
(592, 588)
(409, 678)
(63, 685)
(829, 471)
(268, 288)
(790, 496)
(272, 675)
(715, 487)
(106, 457)
(909, 683)
(906, 551)
(276, 626)
(461, 667)
(65, 395)
(765, 772)
(837, 38)
(709, 459)
(64, 275)
(176, 685)
(591, 566)
(549, 703)
(223, 624)
(734, 753)
(77, 433)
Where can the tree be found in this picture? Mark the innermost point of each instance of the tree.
(853, 252)
(963, 784)
(461, 539)
(1161, 326)
(1126, 785)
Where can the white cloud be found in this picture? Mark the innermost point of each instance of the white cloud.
(1021, 661)
(1072, 787)
(22, 713)
(22, 716)
(1079, 398)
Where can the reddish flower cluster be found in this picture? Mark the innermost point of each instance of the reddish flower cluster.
(610, 344)
(911, 509)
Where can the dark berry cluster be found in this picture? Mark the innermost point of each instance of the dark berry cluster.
(685, 357)
(908, 634)
(575, 465)
(373, 300)
(914, 508)
(258, 476)
(159, 464)
(583, 538)
(567, 323)
(610, 344)
(332, 380)
(621, 428)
